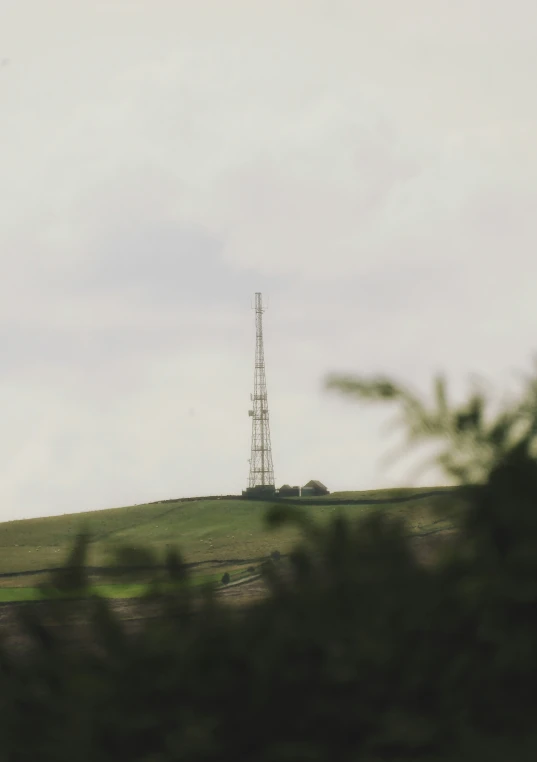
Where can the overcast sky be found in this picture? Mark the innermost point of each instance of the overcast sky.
(370, 167)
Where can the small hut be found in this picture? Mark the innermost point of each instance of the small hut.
(314, 488)
(288, 491)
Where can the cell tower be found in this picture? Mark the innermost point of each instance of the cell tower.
(261, 469)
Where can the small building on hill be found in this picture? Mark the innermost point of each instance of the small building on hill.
(314, 488)
(287, 491)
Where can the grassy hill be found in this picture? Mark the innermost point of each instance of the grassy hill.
(215, 535)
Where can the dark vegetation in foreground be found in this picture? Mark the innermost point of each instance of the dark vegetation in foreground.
(359, 652)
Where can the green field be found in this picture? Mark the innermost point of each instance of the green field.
(217, 535)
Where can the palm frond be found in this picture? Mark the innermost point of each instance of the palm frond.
(379, 388)
(440, 393)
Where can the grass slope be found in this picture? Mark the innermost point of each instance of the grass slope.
(206, 532)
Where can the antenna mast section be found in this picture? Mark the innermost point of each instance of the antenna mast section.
(261, 468)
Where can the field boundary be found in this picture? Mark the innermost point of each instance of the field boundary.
(321, 500)
(365, 501)
(115, 569)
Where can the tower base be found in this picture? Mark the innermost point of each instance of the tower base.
(260, 492)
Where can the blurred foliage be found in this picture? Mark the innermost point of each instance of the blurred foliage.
(358, 652)
(473, 438)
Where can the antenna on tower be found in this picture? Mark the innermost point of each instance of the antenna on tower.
(259, 305)
(261, 478)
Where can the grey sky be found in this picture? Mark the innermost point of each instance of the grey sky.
(370, 166)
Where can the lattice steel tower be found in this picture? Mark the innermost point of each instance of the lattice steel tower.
(261, 468)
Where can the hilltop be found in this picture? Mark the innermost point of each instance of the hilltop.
(213, 535)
